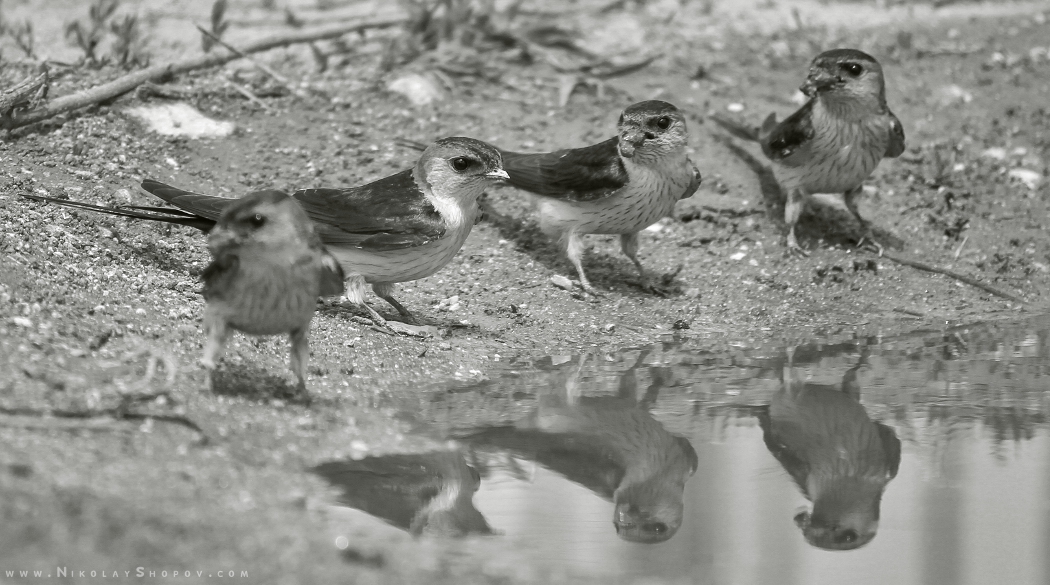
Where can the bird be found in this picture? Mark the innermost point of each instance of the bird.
(399, 228)
(268, 268)
(619, 186)
(835, 140)
(428, 493)
(840, 459)
(609, 444)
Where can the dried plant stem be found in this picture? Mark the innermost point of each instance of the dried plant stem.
(262, 66)
(129, 82)
(21, 92)
(952, 274)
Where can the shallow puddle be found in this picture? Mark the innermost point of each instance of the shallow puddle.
(922, 459)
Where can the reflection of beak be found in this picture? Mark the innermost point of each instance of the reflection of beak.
(817, 82)
(498, 174)
(630, 140)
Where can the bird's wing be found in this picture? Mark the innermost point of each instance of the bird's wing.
(164, 214)
(896, 145)
(389, 214)
(218, 276)
(332, 277)
(788, 143)
(795, 465)
(207, 207)
(694, 183)
(579, 174)
(891, 445)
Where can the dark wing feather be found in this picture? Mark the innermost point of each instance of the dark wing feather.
(389, 214)
(332, 276)
(218, 276)
(164, 214)
(896, 145)
(795, 465)
(579, 174)
(207, 207)
(791, 137)
(891, 446)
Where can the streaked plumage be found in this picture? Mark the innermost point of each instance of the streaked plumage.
(268, 269)
(835, 141)
(400, 228)
(840, 459)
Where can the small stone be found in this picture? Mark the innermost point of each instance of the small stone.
(22, 322)
(1031, 179)
(609, 328)
(419, 89)
(680, 324)
(735, 107)
(996, 153)
(561, 282)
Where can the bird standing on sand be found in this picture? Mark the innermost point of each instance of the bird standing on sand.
(833, 142)
(267, 271)
(400, 228)
(619, 186)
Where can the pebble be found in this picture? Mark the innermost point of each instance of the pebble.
(22, 322)
(1030, 178)
(561, 282)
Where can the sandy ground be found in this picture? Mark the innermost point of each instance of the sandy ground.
(87, 302)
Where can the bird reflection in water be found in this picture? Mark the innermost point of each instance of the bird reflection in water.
(609, 444)
(425, 493)
(840, 458)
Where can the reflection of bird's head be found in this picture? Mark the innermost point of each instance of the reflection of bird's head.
(845, 515)
(651, 510)
(845, 75)
(648, 512)
(651, 129)
(263, 219)
(460, 168)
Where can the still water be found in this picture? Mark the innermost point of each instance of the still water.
(922, 459)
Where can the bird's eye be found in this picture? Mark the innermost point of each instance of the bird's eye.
(853, 69)
(257, 220)
(663, 122)
(459, 164)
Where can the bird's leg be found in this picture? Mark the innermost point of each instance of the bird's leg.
(385, 291)
(355, 294)
(574, 250)
(217, 332)
(850, 198)
(796, 201)
(299, 355)
(629, 245)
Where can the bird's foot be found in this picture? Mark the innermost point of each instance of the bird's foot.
(869, 243)
(793, 249)
(411, 329)
(664, 287)
(589, 289)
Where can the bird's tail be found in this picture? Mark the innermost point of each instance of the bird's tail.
(744, 132)
(165, 214)
(413, 144)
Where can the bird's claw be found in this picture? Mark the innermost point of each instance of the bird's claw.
(793, 249)
(868, 242)
(587, 288)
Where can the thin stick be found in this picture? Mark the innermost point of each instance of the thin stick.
(93, 416)
(248, 94)
(118, 87)
(952, 274)
(262, 66)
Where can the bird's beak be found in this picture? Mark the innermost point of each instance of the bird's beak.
(630, 140)
(498, 174)
(817, 82)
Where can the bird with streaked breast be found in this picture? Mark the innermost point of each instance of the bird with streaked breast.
(619, 186)
(268, 270)
(834, 141)
(400, 228)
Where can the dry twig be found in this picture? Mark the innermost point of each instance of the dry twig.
(952, 274)
(129, 82)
